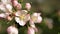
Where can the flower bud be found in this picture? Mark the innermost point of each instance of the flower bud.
(15, 3)
(19, 6)
(12, 30)
(28, 6)
(31, 30)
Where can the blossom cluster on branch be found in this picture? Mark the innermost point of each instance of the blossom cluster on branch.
(21, 16)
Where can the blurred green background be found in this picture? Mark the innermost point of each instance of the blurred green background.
(49, 9)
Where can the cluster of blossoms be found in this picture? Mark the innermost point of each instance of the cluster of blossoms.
(21, 16)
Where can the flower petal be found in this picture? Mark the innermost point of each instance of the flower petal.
(17, 13)
(2, 15)
(21, 22)
(9, 7)
(39, 19)
(2, 8)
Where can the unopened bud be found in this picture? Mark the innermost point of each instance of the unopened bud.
(15, 3)
(28, 6)
(31, 30)
(19, 6)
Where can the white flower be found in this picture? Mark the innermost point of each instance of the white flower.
(31, 30)
(22, 18)
(28, 6)
(35, 18)
(12, 30)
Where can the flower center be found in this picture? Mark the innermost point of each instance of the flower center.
(22, 17)
(34, 18)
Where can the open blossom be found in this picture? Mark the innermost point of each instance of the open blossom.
(28, 6)
(35, 18)
(12, 30)
(22, 18)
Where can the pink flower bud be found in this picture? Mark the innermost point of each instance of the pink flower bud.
(28, 6)
(12, 30)
(19, 6)
(31, 30)
(15, 3)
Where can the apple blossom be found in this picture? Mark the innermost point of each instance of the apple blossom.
(36, 18)
(22, 18)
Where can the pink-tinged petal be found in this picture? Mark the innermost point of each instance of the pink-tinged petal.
(9, 7)
(32, 23)
(39, 19)
(17, 13)
(21, 22)
(2, 8)
(31, 30)
(28, 6)
(12, 30)
(27, 17)
(2, 15)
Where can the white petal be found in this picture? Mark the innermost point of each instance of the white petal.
(17, 13)
(2, 15)
(9, 7)
(21, 22)
(34, 14)
(39, 19)
(2, 8)
(24, 11)
(4, 1)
